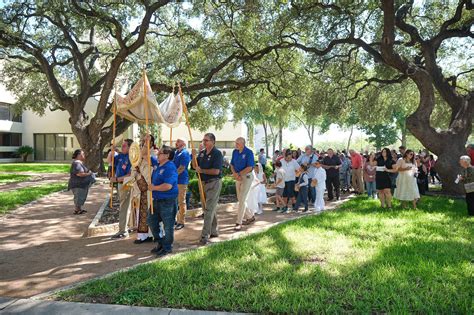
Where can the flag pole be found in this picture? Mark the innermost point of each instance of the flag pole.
(171, 136)
(148, 138)
(185, 110)
(112, 175)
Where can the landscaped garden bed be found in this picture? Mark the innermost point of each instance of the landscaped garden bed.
(358, 259)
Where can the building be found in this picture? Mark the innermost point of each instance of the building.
(52, 139)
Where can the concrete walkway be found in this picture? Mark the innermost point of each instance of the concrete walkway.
(43, 248)
(32, 307)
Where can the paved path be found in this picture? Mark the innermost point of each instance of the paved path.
(36, 180)
(42, 245)
(31, 307)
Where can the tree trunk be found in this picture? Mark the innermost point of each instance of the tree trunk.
(280, 137)
(350, 138)
(311, 137)
(266, 138)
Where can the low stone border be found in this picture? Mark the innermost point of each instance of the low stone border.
(95, 230)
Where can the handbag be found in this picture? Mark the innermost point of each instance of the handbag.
(469, 187)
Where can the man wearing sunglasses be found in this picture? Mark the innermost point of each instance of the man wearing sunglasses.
(209, 165)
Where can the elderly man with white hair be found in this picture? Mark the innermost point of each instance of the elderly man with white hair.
(241, 165)
(181, 161)
(467, 179)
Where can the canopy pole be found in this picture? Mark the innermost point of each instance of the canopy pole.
(147, 134)
(185, 110)
(171, 136)
(113, 145)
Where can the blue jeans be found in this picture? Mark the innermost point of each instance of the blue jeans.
(311, 192)
(370, 186)
(166, 210)
(302, 197)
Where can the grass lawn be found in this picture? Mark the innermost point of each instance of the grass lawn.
(35, 167)
(12, 178)
(359, 259)
(12, 199)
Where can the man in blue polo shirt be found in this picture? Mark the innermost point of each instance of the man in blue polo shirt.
(241, 165)
(181, 161)
(122, 169)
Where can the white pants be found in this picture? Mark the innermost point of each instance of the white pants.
(319, 201)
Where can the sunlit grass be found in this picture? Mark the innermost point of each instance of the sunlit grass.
(35, 167)
(12, 178)
(358, 259)
(10, 200)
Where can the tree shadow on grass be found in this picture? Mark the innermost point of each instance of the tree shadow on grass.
(271, 273)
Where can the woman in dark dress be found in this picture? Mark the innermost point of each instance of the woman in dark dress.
(383, 182)
(80, 181)
(422, 175)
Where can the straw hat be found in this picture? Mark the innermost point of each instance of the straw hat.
(134, 154)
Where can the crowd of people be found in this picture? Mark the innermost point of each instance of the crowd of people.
(152, 190)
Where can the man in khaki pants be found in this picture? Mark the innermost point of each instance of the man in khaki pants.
(181, 160)
(241, 165)
(209, 165)
(357, 172)
(122, 169)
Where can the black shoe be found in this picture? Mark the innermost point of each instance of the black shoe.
(119, 236)
(148, 239)
(337, 198)
(330, 199)
(157, 249)
(163, 253)
(214, 235)
(179, 226)
(204, 241)
(305, 210)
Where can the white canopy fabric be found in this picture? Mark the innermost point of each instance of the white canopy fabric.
(132, 106)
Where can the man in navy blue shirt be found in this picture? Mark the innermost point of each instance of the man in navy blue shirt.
(181, 161)
(241, 165)
(122, 168)
(209, 165)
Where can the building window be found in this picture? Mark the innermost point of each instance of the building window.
(6, 113)
(10, 139)
(54, 146)
(8, 155)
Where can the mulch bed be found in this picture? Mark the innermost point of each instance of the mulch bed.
(111, 215)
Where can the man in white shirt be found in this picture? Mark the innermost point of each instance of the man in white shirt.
(320, 178)
(290, 166)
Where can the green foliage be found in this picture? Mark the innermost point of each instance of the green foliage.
(24, 151)
(381, 135)
(359, 259)
(228, 187)
(12, 199)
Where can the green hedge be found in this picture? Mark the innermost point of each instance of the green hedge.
(228, 187)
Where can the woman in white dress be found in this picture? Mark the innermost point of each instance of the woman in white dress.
(262, 191)
(319, 182)
(407, 188)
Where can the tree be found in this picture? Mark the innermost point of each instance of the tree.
(395, 43)
(63, 54)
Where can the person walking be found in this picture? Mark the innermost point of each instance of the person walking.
(309, 159)
(302, 186)
(241, 165)
(80, 180)
(181, 161)
(122, 167)
(407, 189)
(383, 182)
(164, 189)
(209, 165)
(421, 175)
(262, 158)
(279, 186)
(319, 182)
(332, 163)
(370, 168)
(357, 172)
(290, 166)
(467, 179)
(345, 172)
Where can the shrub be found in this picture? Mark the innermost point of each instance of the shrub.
(24, 151)
(228, 187)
